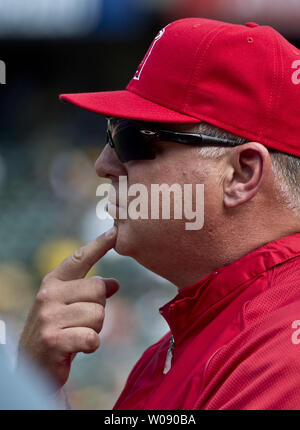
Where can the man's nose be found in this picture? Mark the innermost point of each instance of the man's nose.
(108, 164)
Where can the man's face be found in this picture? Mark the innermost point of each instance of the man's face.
(150, 241)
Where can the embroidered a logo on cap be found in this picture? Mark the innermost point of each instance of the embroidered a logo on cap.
(148, 53)
(296, 73)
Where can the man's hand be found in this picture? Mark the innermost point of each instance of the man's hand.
(68, 312)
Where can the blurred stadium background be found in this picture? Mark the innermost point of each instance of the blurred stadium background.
(48, 149)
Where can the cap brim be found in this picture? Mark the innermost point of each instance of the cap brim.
(126, 104)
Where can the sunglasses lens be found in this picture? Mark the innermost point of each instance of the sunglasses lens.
(128, 141)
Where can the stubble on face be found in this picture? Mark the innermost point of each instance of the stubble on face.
(152, 242)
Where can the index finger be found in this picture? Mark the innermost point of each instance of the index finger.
(78, 264)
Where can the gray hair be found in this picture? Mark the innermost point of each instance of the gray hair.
(286, 168)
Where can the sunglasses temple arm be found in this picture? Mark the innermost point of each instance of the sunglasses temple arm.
(195, 139)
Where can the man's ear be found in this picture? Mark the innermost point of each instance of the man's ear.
(247, 167)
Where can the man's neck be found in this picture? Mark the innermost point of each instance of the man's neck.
(201, 263)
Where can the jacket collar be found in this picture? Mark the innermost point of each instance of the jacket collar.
(194, 300)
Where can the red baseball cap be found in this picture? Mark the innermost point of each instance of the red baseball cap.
(242, 78)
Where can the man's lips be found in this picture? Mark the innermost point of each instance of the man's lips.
(115, 211)
(112, 203)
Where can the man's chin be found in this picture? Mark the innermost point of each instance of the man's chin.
(125, 244)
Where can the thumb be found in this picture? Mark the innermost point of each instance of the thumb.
(111, 285)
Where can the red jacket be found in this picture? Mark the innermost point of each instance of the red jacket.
(235, 339)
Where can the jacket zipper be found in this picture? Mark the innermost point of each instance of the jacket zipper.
(169, 356)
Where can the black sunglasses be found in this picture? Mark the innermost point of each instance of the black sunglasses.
(135, 141)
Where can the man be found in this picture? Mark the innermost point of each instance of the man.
(215, 104)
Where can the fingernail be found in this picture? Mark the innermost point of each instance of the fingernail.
(111, 232)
